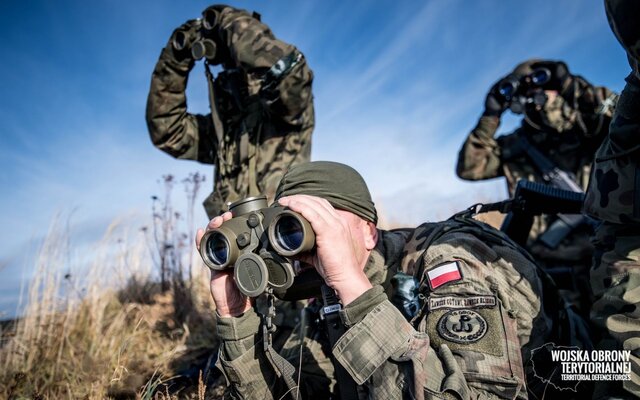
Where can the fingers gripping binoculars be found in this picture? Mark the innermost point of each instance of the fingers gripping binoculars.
(257, 242)
(202, 44)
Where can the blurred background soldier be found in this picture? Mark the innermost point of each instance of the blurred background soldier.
(614, 198)
(565, 118)
(262, 112)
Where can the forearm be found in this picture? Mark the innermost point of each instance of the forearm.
(171, 128)
(241, 358)
(479, 156)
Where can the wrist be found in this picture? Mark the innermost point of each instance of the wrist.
(350, 289)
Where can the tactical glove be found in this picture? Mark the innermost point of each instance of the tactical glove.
(495, 103)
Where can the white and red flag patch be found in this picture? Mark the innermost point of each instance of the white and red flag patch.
(445, 273)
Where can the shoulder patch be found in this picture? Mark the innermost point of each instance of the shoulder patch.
(444, 273)
(462, 326)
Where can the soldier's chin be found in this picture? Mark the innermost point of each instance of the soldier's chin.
(306, 285)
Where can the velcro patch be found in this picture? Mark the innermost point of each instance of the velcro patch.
(462, 326)
(453, 302)
(444, 273)
(477, 329)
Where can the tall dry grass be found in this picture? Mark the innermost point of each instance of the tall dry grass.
(102, 326)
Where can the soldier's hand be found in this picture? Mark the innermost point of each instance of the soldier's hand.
(339, 256)
(495, 103)
(228, 299)
(183, 38)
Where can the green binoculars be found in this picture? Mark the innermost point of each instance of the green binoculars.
(257, 242)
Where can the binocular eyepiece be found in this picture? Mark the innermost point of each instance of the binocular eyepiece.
(509, 86)
(256, 243)
(514, 89)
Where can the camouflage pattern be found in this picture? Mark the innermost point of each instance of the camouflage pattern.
(484, 156)
(614, 198)
(497, 300)
(264, 130)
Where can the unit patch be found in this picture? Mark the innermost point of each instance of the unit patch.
(462, 326)
(436, 303)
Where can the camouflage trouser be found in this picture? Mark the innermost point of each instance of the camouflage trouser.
(615, 281)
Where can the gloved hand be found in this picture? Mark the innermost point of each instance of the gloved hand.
(495, 103)
(182, 39)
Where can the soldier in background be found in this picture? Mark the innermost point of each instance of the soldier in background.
(614, 198)
(565, 120)
(262, 114)
(480, 316)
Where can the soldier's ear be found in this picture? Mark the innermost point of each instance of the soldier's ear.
(371, 235)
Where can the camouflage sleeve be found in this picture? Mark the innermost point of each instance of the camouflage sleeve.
(240, 359)
(469, 344)
(249, 44)
(172, 129)
(479, 157)
(614, 189)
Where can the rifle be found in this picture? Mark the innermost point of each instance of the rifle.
(559, 179)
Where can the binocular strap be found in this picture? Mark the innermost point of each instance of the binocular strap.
(348, 390)
(280, 365)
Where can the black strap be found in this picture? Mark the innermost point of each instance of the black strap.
(347, 388)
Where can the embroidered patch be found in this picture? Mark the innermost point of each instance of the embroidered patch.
(436, 303)
(462, 326)
(445, 273)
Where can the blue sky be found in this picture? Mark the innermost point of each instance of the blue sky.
(398, 86)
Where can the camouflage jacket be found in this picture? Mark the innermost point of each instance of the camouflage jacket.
(469, 341)
(614, 192)
(257, 128)
(484, 157)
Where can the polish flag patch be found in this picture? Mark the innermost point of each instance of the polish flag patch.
(445, 273)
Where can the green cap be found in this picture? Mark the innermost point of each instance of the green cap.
(342, 186)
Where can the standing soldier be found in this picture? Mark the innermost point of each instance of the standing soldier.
(262, 112)
(565, 120)
(614, 198)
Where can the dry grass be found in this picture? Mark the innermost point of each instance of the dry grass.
(109, 331)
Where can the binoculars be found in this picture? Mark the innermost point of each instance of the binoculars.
(513, 89)
(203, 46)
(257, 242)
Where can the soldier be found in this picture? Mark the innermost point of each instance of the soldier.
(477, 318)
(565, 120)
(262, 112)
(614, 198)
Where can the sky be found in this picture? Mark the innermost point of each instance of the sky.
(398, 86)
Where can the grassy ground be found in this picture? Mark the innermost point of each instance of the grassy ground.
(133, 320)
(114, 333)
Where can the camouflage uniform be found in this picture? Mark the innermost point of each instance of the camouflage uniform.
(256, 130)
(484, 157)
(469, 341)
(614, 198)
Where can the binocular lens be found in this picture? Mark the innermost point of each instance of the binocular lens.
(540, 76)
(507, 89)
(209, 17)
(289, 233)
(180, 40)
(218, 249)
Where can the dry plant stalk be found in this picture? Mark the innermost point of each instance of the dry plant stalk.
(107, 330)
